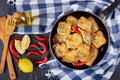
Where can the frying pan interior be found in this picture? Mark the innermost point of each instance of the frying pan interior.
(78, 14)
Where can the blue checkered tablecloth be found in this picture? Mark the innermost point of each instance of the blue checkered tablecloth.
(47, 11)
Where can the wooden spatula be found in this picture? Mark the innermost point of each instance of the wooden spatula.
(2, 34)
(7, 30)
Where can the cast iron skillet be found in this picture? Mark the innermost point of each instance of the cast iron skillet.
(99, 19)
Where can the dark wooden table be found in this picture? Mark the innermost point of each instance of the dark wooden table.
(37, 74)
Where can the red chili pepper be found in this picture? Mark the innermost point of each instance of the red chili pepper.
(44, 47)
(33, 53)
(78, 64)
(11, 47)
(42, 61)
(33, 46)
(40, 38)
(74, 28)
(17, 61)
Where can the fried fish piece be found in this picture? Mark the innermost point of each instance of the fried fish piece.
(87, 37)
(98, 39)
(84, 24)
(64, 28)
(73, 40)
(58, 38)
(70, 56)
(95, 26)
(92, 55)
(87, 53)
(71, 19)
(83, 52)
(60, 49)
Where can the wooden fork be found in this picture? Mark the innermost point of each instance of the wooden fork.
(9, 28)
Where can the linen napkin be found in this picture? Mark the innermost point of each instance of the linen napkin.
(47, 11)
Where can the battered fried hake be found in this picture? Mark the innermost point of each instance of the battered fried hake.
(87, 37)
(98, 39)
(84, 24)
(60, 49)
(95, 26)
(64, 28)
(81, 46)
(73, 40)
(71, 19)
(58, 38)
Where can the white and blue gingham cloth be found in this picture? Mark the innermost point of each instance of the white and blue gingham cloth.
(47, 11)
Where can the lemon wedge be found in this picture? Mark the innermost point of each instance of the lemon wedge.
(25, 42)
(17, 45)
(25, 65)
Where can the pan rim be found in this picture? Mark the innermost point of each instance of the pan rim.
(108, 38)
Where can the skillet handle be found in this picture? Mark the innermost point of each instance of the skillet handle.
(105, 13)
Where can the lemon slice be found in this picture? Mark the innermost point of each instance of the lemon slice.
(25, 42)
(17, 45)
(25, 65)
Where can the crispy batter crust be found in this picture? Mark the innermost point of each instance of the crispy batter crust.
(71, 19)
(64, 28)
(84, 24)
(86, 36)
(72, 47)
(73, 40)
(98, 39)
(95, 26)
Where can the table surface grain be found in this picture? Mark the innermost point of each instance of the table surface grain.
(36, 74)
